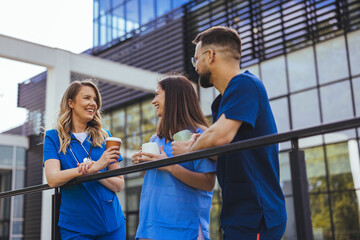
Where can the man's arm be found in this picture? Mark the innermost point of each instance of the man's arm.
(220, 133)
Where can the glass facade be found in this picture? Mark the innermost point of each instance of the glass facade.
(12, 177)
(332, 171)
(120, 19)
(316, 93)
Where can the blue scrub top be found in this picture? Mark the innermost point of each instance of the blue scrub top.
(88, 207)
(170, 209)
(249, 179)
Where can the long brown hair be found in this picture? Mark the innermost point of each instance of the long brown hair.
(64, 120)
(181, 109)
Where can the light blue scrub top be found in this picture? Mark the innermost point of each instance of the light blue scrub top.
(170, 209)
(88, 207)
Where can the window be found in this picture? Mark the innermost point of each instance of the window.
(280, 110)
(20, 157)
(315, 169)
(356, 87)
(285, 173)
(275, 81)
(6, 156)
(118, 123)
(320, 216)
(149, 118)
(178, 3)
(104, 6)
(345, 214)
(332, 60)
(133, 120)
(18, 206)
(106, 121)
(19, 179)
(354, 52)
(340, 171)
(118, 21)
(132, 15)
(147, 11)
(336, 102)
(162, 7)
(301, 66)
(304, 105)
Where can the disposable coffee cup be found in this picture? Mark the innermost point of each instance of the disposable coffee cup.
(183, 135)
(151, 147)
(113, 141)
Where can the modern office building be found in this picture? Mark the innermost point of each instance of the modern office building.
(307, 53)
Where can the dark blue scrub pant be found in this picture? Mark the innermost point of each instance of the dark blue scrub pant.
(119, 234)
(244, 233)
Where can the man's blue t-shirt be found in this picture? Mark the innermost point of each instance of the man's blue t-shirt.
(170, 209)
(249, 179)
(88, 207)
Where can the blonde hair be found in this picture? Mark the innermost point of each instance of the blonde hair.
(64, 120)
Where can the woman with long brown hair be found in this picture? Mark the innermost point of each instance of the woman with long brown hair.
(88, 210)
(175, 200)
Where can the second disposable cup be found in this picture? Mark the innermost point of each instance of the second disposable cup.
(113, 141)
(183, 135)
(151, 147)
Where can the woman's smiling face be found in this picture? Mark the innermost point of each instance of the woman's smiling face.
(159, 101)
(84, 105)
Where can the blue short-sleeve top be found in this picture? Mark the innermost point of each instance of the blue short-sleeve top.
(170, 209)
(87, 207)
(249, 179)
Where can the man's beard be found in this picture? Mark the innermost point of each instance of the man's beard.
(204, 80)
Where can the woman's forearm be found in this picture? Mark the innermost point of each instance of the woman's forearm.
(202, 181)
(114, 184)
(59, 178)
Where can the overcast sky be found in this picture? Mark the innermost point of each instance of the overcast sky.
(65, 24)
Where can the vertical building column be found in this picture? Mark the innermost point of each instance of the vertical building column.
(58, 79)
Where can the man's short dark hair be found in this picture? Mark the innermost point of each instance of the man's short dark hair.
(224, 37)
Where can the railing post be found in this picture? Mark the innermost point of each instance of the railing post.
(300, 193)
(55, 231)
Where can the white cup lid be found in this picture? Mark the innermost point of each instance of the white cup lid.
(113, 139)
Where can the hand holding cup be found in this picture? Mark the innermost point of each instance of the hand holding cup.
(135, 159)
(149, 156)
(110, 155)
(184, 146)
(151, 148)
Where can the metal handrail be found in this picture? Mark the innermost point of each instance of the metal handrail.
(247, 144)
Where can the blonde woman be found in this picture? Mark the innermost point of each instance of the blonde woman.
(89, 210)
